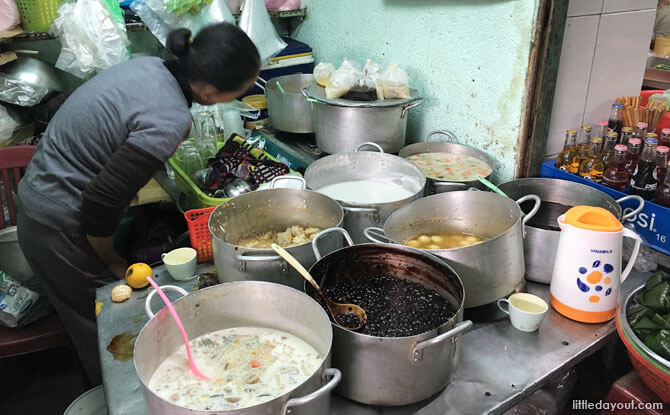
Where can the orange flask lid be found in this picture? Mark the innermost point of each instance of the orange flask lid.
(593, 219)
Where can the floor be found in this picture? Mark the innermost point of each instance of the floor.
(43, 383)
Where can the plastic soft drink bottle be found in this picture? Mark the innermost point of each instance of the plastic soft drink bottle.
(615, 175)
(568, 159)
(633, 155)
(642, 181)
(592, 167)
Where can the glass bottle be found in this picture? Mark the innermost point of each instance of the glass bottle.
(641, 130)
(600, 130)
(568, 159)
(661, 164)
(615, 175)
(642, 181)
(626, 134)
(663, 192)
(608, 148)
(664, 140)
(651, 135)
(592, 167)
(584, 142)
(633, 155)
(615, 121)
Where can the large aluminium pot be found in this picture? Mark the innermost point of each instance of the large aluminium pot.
(340, 125)
(490, 269)
(366, 165)
(449, 146)
(245, 303)
(289, 110)
(541, 243)
(394, 370)
(269, 210)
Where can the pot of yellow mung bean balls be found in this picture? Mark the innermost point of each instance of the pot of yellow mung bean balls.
(479, 234)
(448, 166)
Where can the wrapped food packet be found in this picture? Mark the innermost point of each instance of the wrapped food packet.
(322, 72)
(364, 89)
(395, 82)
(374, 71)
(349, 65)
(340, 83)
(19, 304)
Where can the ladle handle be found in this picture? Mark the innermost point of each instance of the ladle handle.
(147, 302)
(297, 265)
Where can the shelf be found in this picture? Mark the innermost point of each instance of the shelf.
(139, 27)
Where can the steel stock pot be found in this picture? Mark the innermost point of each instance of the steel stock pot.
(394, 370)
(366, 165)
(289, 110)
(244, 303)
(269, 210)
(490, 269)
(541, 242)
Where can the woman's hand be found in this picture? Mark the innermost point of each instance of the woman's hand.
(104, 247)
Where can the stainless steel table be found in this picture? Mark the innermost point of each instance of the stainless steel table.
(499, 365)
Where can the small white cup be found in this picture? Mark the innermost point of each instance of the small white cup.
(181, 263)
(526, 311)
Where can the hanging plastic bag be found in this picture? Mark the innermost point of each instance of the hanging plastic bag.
(255, 22)
(341, 82)
(7, 125)
(322, 72)
(395, 83)
(91, 38)
(9, 15)
(161, 21)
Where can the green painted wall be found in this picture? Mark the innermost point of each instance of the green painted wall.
(468, 59)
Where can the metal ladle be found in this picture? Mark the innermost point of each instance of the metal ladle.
(334, 309)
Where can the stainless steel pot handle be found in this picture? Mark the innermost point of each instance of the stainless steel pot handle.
(147, 302)
(637, 210)
(528, 216)
(360, 209)
(372, 233)
(451, 137)
(456, 186)
(286, 177)
(265, 83)
(368, 143)
(335, 377)
(458, 329)
(315, 246)
(258, 258)
(418, 102)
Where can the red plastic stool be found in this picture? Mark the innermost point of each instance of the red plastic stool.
(630, 388)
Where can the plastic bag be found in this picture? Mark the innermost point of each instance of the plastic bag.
(374, 71)
(256, 23)
(395, 83)
(19, 93)
(161, 22)
(9, 15)
(341, 82)
(7, 125)
(91, 38)
(282, 5)
(364, 89)
(20, 304)
(349, 65)
(322, 72)
(234, 5)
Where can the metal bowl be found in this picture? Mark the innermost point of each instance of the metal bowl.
(34, 72)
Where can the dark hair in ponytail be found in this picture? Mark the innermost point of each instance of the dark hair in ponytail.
(221, 55)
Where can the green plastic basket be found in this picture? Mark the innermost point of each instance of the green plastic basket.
(37, 15)
(197, 197)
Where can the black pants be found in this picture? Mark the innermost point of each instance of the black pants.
(70, 271)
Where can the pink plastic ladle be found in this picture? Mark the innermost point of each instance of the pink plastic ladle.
(168, 303)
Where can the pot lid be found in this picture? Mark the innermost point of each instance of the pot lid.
(318, 93)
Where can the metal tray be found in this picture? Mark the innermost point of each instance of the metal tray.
(319, 93)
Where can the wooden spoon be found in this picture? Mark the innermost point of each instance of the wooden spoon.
(334, 309)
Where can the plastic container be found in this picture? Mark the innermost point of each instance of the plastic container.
(201, 240)
(259, 102)
(664, 122)
(37, 15)
(197, 196)
(652, 223)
